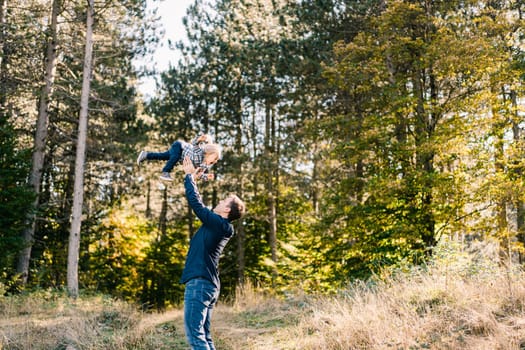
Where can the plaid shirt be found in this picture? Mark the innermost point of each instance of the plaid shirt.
(195, 152)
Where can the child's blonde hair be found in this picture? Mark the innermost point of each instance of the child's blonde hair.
(212, 148)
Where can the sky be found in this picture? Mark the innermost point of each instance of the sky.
(171, 13)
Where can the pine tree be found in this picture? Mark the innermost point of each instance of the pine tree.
(15, 197)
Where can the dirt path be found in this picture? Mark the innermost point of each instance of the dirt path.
(94, 323)
(230, 332)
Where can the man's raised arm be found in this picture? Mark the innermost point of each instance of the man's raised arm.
(193, 195)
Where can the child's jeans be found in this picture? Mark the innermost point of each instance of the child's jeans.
(172, 156)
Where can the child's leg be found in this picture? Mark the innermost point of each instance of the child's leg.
(158, 155)
(175, 152)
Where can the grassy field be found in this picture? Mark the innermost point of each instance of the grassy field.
(472, 307)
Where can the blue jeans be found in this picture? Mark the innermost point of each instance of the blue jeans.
(200, 296)
(172, 156)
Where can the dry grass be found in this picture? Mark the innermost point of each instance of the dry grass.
(449, 306)
(417, 313)
(462, 301)
(50, 320)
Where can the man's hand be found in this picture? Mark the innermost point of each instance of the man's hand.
(199, 173)
(187, 166)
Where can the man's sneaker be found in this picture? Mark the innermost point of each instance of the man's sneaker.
(166, 176)
(142, 157)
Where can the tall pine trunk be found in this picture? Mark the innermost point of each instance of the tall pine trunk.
(78, 191)
(2, 34)
(270, 185)
(3, 61)
(518, 173)
(425, 125)
(163, 218)
(40, 142)
(239, 227)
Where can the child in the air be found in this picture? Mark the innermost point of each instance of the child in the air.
(201, 151)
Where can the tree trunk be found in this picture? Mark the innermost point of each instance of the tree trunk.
(241, 234)
(40, 142)
(425, 124)
(163, 212)
(499, 166)
(518, 172)
(270, 188)
(148, 201)
(3, 61)
(78, 194)
(315, 183)
(2, 26)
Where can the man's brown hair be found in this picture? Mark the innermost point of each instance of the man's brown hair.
(237, 208)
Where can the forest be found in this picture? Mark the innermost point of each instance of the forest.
(362, 136)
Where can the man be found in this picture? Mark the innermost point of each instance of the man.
(200, 273)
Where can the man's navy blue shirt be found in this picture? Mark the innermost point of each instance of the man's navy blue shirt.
(207, 244)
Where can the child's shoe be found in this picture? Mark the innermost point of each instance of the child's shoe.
(142, 157)
(166, 176)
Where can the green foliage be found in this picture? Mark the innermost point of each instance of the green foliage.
(161, 269)
(130, 258)
(359, 133)
(256, 254)
(123, 31)
(397, 183)
(16, 197)
(293, 251)
(478, 258)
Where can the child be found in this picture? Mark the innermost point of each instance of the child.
(201, 151)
